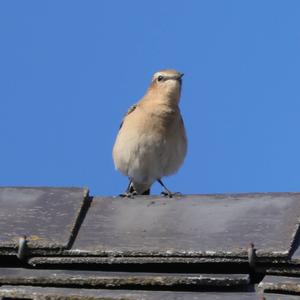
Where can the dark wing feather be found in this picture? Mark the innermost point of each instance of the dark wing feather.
(130, 110)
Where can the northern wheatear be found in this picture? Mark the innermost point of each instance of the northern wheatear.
(152, 142)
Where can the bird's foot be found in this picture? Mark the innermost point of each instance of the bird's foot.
(169, 194)
(128, 194)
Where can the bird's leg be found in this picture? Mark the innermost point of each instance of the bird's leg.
(130, 192)
(166, 192)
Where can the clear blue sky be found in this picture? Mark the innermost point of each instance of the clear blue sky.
(69, 70)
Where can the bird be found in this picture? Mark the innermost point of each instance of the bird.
(152, 142)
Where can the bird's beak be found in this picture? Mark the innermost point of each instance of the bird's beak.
(179, 77)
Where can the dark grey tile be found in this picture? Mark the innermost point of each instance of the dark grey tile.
(198, 225)
(280, 284)
(46, 216)
(39, 293)
(137, 280)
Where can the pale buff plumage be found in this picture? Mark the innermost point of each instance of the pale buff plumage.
(151, 142)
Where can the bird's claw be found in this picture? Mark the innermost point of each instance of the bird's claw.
(170, 194)
(128, 194)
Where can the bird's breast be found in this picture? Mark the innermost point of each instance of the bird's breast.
(150, 145)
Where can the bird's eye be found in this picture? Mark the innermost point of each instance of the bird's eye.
(159, 78)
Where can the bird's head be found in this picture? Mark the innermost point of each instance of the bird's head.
(167, 83)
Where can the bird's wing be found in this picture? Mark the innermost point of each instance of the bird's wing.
(130, 110)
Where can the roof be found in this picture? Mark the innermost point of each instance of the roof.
(61, 243)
